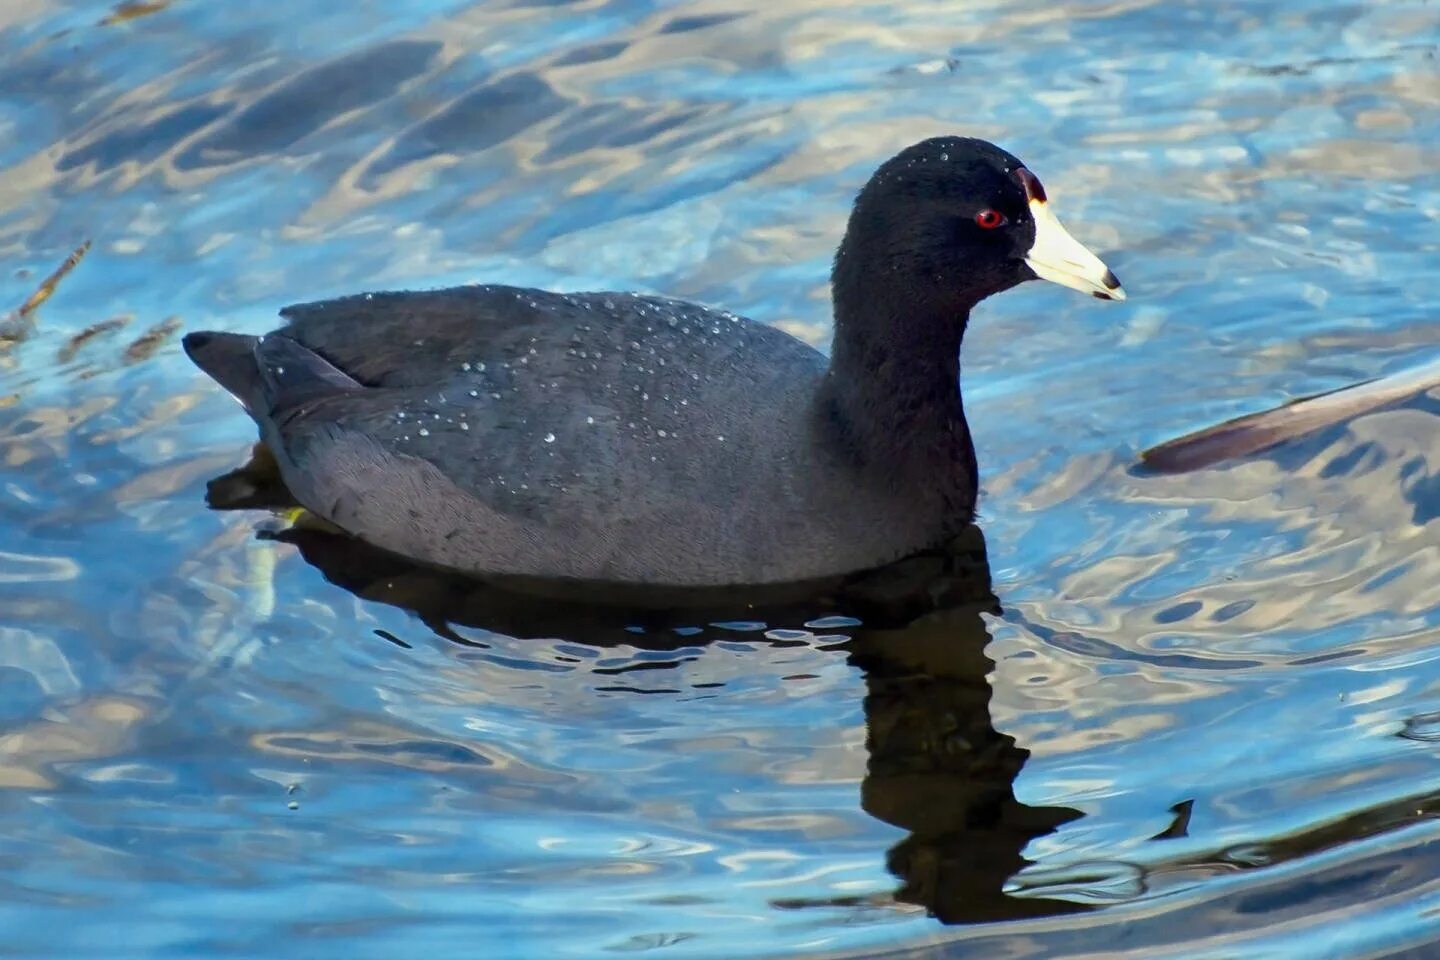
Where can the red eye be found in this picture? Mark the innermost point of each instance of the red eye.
(990, 219)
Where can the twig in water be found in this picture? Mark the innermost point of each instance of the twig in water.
(18, 325)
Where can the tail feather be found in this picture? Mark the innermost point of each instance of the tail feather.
(229, 358)
(273, 376)
(292, 376)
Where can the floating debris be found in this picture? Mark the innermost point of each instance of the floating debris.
(151, 340)
(134, 10)
(47, 287)
(1257, 432)
(18, 325)
(73, 345)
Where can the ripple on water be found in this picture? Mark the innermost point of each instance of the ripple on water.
(1210, 709)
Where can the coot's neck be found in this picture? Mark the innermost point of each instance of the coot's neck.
(893, 387)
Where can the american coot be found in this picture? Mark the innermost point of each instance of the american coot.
(631, 439)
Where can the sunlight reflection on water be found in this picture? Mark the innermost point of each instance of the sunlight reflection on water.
(1210, 671)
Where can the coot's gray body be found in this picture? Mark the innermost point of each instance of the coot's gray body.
(638, 440)
(592, 436)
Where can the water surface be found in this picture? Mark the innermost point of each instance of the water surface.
(1201, 720)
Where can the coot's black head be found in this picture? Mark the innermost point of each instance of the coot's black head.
(949, 221)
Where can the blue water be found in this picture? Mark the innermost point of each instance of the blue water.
(1226, 682)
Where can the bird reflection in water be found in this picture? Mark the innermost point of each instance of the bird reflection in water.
(936, 767)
